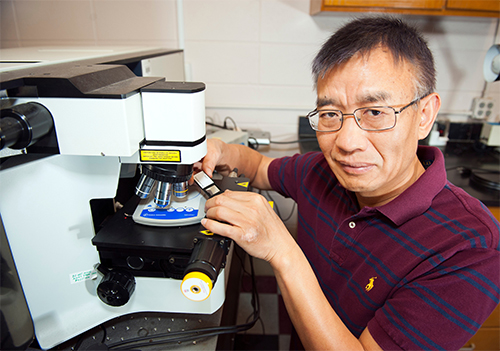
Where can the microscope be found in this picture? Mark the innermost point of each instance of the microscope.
(95, 202)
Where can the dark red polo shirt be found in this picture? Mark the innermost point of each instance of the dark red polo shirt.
(421, 272)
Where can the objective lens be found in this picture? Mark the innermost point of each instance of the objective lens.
(163, 194)
(144, 186)
(181, 189)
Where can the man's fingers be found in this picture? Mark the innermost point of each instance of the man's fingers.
(218, 228)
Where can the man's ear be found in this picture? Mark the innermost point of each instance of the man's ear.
(428, 109)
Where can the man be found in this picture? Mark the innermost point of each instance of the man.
(389, 254)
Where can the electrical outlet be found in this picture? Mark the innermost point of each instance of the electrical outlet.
(482, 108)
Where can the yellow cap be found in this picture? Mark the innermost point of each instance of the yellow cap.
(196, 286)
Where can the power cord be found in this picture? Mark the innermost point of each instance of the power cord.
(255, 301)
(187, 335)
(225, 125)
(268, 195)
(254, 144)
(293, 141)
(232, 120)
(194, 334)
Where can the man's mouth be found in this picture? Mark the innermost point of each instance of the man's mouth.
(355, 167)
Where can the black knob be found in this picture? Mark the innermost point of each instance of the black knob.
(135, 262)
(23, 125)
(116, 287)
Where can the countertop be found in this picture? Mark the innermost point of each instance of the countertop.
(465, 161)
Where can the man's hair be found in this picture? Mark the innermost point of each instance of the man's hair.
(364, 34)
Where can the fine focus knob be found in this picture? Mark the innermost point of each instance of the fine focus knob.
(116, 287)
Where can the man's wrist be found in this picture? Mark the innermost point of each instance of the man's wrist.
(286, 257)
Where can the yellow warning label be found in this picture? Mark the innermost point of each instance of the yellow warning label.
(244, 184)
(206, 232)
(161, 155)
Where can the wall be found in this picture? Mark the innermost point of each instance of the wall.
(254, 55)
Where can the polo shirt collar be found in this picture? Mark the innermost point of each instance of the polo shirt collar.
(418, 197)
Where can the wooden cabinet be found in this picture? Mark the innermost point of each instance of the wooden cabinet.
(477, 5)
(482, 8)
(487, 337)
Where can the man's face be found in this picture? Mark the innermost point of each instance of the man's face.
(377, 165)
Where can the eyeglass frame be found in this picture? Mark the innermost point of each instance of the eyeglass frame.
(316, 111)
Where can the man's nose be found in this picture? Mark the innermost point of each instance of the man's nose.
(350, 137)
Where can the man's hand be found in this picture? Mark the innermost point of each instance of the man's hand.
(249, 220)
(213, 158)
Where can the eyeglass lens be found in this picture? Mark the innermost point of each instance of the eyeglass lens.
(371, 118)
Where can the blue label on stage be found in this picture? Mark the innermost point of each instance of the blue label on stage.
(169, 213)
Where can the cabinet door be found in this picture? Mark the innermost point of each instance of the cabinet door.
(485, 5)
(486, 339)
(412, 4)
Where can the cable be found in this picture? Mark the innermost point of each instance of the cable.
(291, 212)
(224, 126)
(215, 125)
(79, 342)
(185, 336)
(193, 334)
(201, 333)
(255, 302)
(81, 339)
(277, 208)
(104, 334)
(275, 204)
(253, 144)
(232, 120)
(293, 141)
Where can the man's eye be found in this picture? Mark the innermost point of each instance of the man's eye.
(373, 113)
(329, 114)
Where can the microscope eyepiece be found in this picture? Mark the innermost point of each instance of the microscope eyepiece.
(23, 125)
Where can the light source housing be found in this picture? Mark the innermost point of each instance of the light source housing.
(491, 66)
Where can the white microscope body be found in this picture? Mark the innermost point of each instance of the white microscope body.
(105, 120)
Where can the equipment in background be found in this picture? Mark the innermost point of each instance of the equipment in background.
(94, 137)
(490, 134)
(491, 65)
(491, 71)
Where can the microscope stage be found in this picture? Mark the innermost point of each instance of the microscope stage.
(148, 249)
(145, 250)
(186, 211)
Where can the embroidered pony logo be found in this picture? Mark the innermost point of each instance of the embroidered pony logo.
(369, 286)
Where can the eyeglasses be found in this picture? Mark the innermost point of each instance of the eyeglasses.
(374, 118)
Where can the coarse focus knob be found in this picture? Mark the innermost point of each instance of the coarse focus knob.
(116, 287)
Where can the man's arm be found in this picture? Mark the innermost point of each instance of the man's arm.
(315, 321)
(249, 220)
(226, 157)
